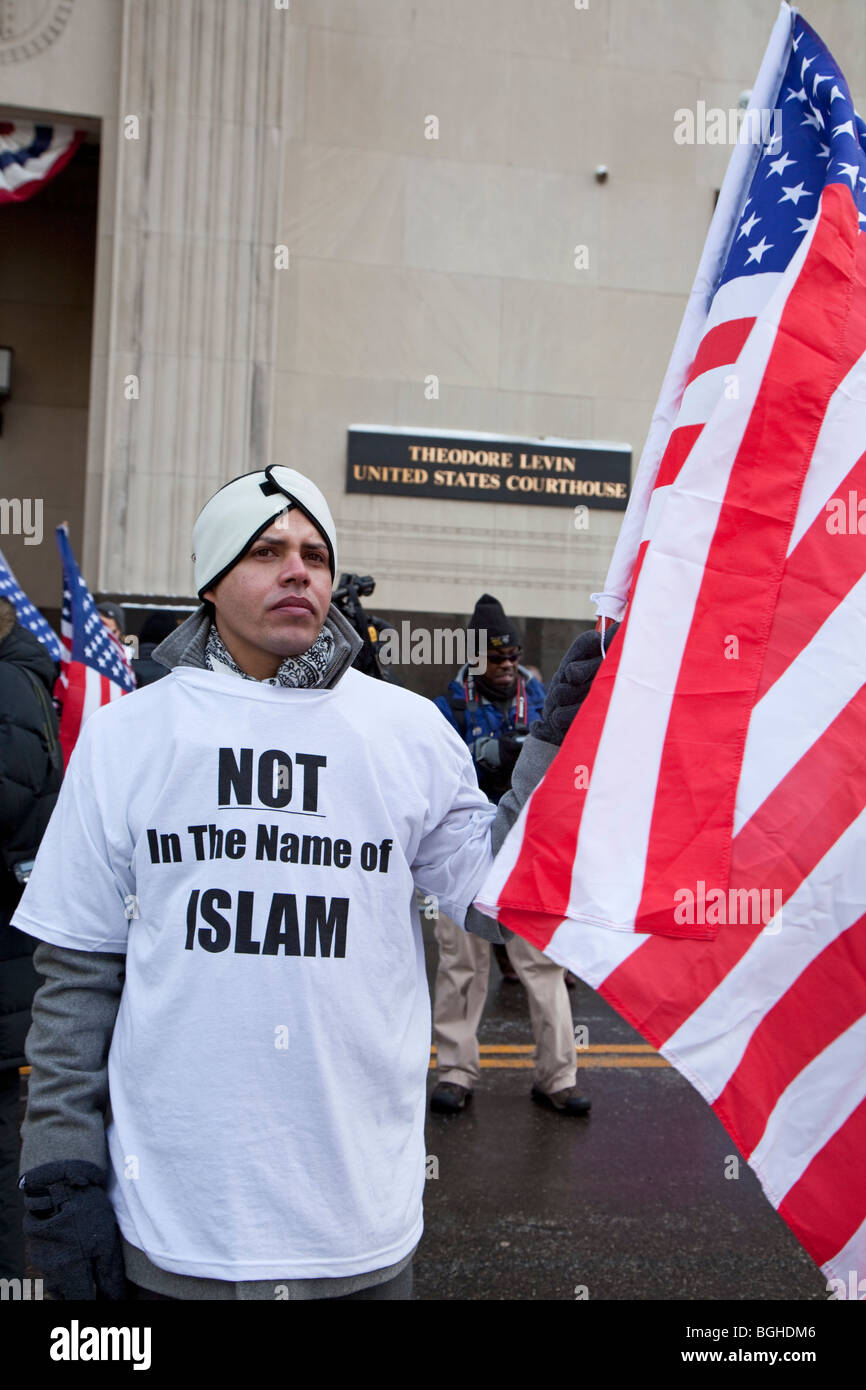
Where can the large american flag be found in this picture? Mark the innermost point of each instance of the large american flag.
(696, 849)
(94, 668)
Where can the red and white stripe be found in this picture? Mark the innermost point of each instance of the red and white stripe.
(81, 690)
(770, 1027)
(654, 734)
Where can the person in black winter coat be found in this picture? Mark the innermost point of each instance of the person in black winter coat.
(31, 769)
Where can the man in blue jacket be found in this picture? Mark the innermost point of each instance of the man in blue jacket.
(491, 704)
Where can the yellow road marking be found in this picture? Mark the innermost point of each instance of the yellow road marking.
(591, 1047)
(513, 1056)
(623, 1062)
(595, 1065)
(612, 1055)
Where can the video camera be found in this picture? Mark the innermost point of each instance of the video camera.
(347, 597)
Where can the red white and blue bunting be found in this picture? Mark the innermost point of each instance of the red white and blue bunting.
(31, 154)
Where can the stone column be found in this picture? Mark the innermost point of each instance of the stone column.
(181, 396)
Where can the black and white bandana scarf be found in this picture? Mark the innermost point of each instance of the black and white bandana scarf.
(299, 672)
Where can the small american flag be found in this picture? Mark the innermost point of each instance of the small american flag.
(28, 614)
(696, 850)
(94, 668)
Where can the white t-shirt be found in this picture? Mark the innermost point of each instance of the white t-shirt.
(267, 1069)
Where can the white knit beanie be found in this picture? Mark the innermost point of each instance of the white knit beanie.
(227, 525)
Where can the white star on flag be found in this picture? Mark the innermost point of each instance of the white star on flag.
(758, 250)
(852, 171)
(846, 128)
(793, 195)
(746, 229)
(779, 166)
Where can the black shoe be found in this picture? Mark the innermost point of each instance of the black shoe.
(567, 1102)
(448, 1097)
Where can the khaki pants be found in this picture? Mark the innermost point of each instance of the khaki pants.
(460, 993)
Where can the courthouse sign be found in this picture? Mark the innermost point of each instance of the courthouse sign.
(487, 467)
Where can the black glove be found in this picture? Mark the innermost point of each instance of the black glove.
(72, 1236)
(509, 751)
(570, 686)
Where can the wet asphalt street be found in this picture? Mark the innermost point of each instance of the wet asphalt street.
(629, 1203)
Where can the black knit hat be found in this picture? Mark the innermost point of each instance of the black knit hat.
(489, 617)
